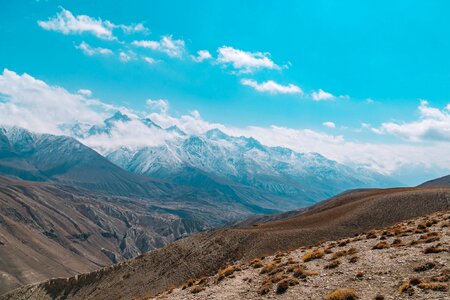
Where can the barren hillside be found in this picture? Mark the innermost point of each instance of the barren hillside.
(203, 254)
(408, 260)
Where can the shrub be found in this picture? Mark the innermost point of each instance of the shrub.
(282, 286)
(353, 259)
(425, 267)
(396, 242)
(379, 297)
(434, 286)
(268, 268)
(380, 245)
(434, 249)
(197, 289)
(343, 243)
(265, 289)
(256, 263)
(415, 281)
(299, 272)
(318, 253)
(227, 271)
(371, 235)
(359, 275)
(342, 294)
(406, 288)
(333, 265)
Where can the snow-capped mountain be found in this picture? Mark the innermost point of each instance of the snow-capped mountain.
(241, 163)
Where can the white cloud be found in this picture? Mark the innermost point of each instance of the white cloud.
(129, 29)
(202, 55)
(89, 50)
(37, 106)
(433, 125)
(329, 124)
(272, 87)
(66, 23)
(173, 48)
(245, 62)
(322, 95)
(126, 57)
(85, 92)
(160, 104)
(149, 60)
(32, 104)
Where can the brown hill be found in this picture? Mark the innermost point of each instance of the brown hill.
(203, 254)
(441, 181)
(51, 230)
(408, 259)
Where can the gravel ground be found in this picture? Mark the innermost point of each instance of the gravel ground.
(401, 269)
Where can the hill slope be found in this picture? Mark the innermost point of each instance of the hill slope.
(442, 181)
(408, 259)
(51, 230)
(203, 254)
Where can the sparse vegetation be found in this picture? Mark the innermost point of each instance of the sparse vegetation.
(434, 249)
(425, 267)
(342, 294)
(434, 286)
(380, 245)
(332, 265)
(197, 289)
(318, 253)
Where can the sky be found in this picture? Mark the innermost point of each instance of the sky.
(361, 82)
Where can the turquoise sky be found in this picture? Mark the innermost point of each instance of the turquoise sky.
(377, 58)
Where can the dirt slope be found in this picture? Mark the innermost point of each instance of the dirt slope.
(408, 260)
(48, 230)
(203, 254)
(441, 181)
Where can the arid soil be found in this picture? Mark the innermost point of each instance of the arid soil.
(203, 254)
(410, 260)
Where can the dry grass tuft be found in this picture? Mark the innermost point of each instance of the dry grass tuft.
(353, 259)
(333, 265)
(227, 271)
(434, 286)
(256, 263)
(434, 249)
(282, 287)
(268, 268)
(380, 245)
(406, 288)
(318, 253)
(265, 289)
(371, 235)
(415, 281)
(342, 294)
(425, 267)
(197, 289)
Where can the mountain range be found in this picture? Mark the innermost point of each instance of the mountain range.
(213, 158)
(68, 209)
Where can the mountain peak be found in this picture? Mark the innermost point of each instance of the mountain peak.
(118, 116)
(216, 134)
(176, 129)
(149, 123)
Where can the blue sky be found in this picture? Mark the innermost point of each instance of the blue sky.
(351, 69)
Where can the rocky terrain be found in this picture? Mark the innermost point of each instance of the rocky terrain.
(52, 230)
(410, 260)
(203, 254)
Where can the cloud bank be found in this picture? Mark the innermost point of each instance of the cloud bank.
(33, 104)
